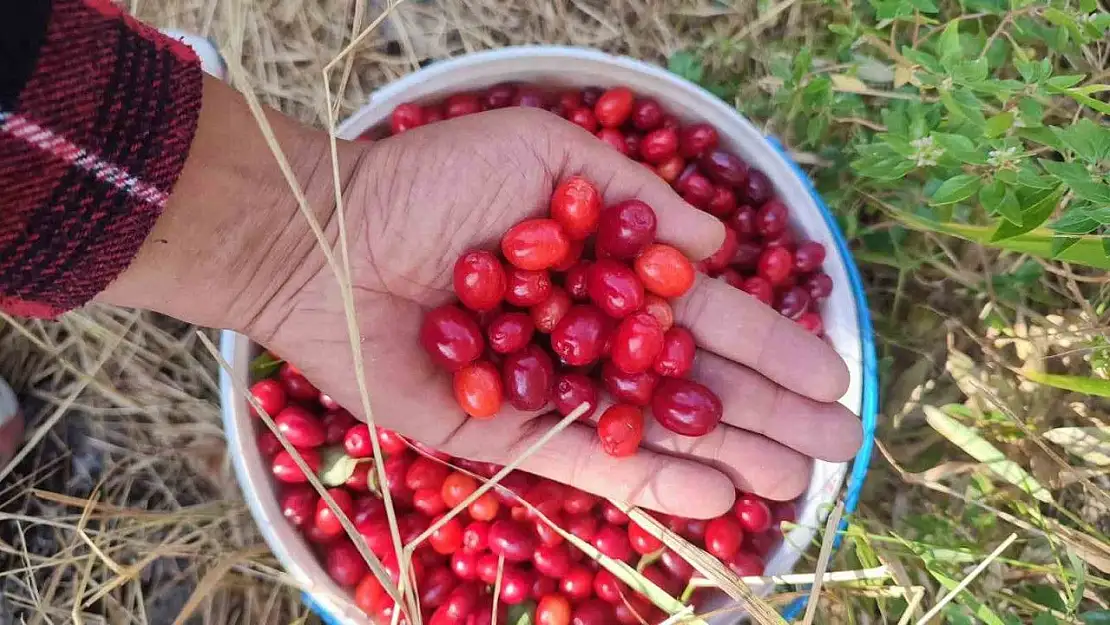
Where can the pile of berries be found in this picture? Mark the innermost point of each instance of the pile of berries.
(456, 568)
(579, 301)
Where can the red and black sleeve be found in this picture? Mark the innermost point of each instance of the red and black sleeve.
(97, 113)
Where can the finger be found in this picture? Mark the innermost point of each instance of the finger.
(735, 325)
(696, 233)
(751, 402)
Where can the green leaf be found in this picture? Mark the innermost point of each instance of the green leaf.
(1028, 178)
(1062, 243)
(1077, 383)
(964, 106)
(1045, 618)
(999, 124)
(1037, 206)
(955, 189)
(960, 147)
(336, 467)
(264, 365)
(948, 44)
(1074, 222)
(1079, 179)
(1001, 200)
(979, 448)
(521, 613)
(965, 598)
(687, 65)
(1064, 82)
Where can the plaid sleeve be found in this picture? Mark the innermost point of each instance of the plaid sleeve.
(97, 112)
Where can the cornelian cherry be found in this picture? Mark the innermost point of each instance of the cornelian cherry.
(629, 388)
(406, 117)
(451, 337)
(665, 271)
(723, 537)
(578, 338)
(676, 358)
(547, 314)
(479, 280)
(270, 395)
(527, 288)
(510, 332)
(326, 520)
(571, 391)
(528, 378)
(775, 265)
(752, 512)
(624, 230)
(685, 407)
(576, 205)
(636, 343)
(641, 541)
(620, 428)
(614, 288)
(614, 107)
(697, 139)
(659, 308)
(478, 389)
(658, 146)
(535, 244)
(301, 427)
(456, 488)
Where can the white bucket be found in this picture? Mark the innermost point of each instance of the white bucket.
(845, 315)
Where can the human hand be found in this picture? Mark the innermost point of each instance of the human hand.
(416, 202)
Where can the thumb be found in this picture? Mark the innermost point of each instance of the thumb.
(698, 234)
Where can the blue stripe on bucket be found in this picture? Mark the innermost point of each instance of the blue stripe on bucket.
(325, 617)
(869, 408)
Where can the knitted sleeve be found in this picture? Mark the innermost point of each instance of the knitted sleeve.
(97, 113)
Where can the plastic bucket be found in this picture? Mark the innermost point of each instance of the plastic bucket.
(845, 313)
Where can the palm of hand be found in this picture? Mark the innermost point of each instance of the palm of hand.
(426, 197)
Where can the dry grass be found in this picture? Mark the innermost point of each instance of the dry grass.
(126, 510)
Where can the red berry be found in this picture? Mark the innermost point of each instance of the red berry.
(327, 521)
(759, 288)
(510, 332)
(635, 388)
(723, 203)
(776, 265)
(608, 588)
(696, 189)
(391, 442)
(359, 481)
(575, 281)
(724, 168)
(723, 537)
(437, 586)
(793, 302)
(480, 280)
(464, 599)
(527, 288)
(516, 585)
(614, 138)
(553, 609)
(612, 514)
(286, 470)
(425, 472)
(659, 308)
(809, 256)
(724, 254)
(396, 470)
(465, 565)
(546, 531)
(697, 139)
(535, 244)
(528, 377)
(512, 540)
(592, 612)
(405, 117)
(451, 337)
(659, 146)
(783, 239)
(743, 222)
(685, 407)
(547, 314)
(552, 560)
(614, 288)
(300, 427)
(620, 428)
(772, 219)
(812, 322)
(478, 389)
(578, 338)
(433, 114)
(577, 583)
(659, 576)
(499, 96)
(614, 107)
(576, 205)
(336, 423)
(456, 488)
(583, 117)
(758, 188)
(676, 565)
(369, 595)
(746, 256)
(571, 391)
(647, 114)
(761, 544)
(665, 271)
(296, 385)
(613, 541)
(636, 343)
(676, 358)
(345, 564)
(695, 530)
(752, 512)
(625, 229)
(475, 537)
(270, 395)
(819, 286)
(670, 169)
(746, 564)
(484, 508)
(461, 104)
(530, 97)
(448, 538)
(428, 501)
(634, 609)
(582, 526)
(643, 542)
(268, 444)
(512, 487)
(298, 504)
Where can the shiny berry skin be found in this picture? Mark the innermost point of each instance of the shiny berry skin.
(723, 537)
(759, 288)
(456, 488)
(613, 541)
(731, 277)
(478, 389)
(670, 169)
(516, 585)
(793, 303)
(696, 139)
(437, 586)
(512, 487)
(772, 219)
(547, 314)
(546, 531)
(592, 612)
(484, 508)
(571, 391)
(783, 239)
(552, 560)
(758, 188)
(296, 385)
(463, 601)
(577, 583)
(344, 564)
(327, 521)
(776, 265)
(396, 471)
(464, 564)
(723, 203)
(576, 206)
(614, 138)
(479, 280)
(636, 343)
(753, 513)
(676, 358)
(510, 332)
(696, 189)
(433, 113)
(659, 576)
(608, 587)
(298, 504)
(268, 444)
(528, 378)
(809, 256)
(511, 539)
(636, 389)
(812, 322)
(451, 337)
(612, 514)
(578, 501)
(527, 288)
(624, 230)
(575, 281)
(695, 530)
(425, 472)
(659, 146)
(724, 254)
(746, 255)
(553, 609)
(535, 244)
(427, 501)
(580, 335)
(620, 429)
(819, 285)
(448, 538)
(406, 117)
(583, 117)
(582, 526)
(336, 423)
(286, 470)
(359, 481)
(635, 609)
(461, 104)
(530, 97)
(743, 222)
(270, 395)
(572, 99)
(614, 107)
(685, 407)
(369, 594)
(659, 308)
(647, 114)
(300, 427)
(499, 96)
(746, 564)
(665, 271)
(724, 168)
(676, 565)
(391, 442)
(614, 288)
